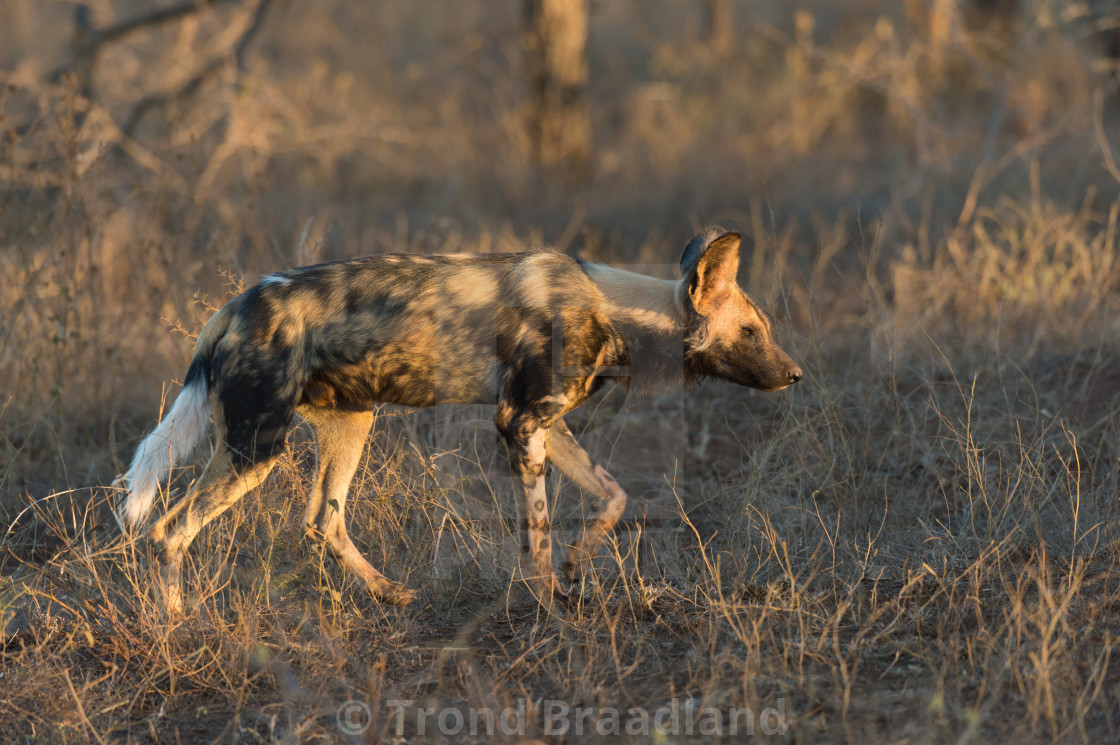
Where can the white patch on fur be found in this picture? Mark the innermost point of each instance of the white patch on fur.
(536, 448)
(654, 304)
(276, 279)
(179, 431)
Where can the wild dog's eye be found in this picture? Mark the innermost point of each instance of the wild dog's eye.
(748, 331)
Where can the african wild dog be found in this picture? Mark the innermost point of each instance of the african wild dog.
(534, 333)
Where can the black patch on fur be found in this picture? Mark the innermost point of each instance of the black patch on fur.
(253, 382)
(199, 371)
(255, 309)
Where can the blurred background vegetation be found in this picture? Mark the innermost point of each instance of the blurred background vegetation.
(155, 154)
(919, 542)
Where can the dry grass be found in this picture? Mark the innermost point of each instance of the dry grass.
(918, 543)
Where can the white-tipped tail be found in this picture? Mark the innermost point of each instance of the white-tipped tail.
(179, 431)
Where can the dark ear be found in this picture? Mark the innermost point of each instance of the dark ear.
(697, 246)
(715, 270)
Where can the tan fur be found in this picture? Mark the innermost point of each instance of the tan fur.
(340, 439)
(609, 500)
(473, 287)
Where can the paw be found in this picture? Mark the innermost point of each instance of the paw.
(561, 598)
(400, 597)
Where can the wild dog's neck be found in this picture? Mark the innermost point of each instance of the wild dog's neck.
(648, 313)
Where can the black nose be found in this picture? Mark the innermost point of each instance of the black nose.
(794, 375)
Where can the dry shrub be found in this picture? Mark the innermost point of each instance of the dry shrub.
(1016, 277)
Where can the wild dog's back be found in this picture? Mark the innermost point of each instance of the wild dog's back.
(414, 330)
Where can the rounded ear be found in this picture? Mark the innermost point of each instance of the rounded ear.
(715, 268)
(697, 246)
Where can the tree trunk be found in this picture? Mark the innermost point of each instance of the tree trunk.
(559, 123)
(719, 19)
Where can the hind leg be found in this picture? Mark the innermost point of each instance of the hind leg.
(250, 437)
(218, 489)
(340, 437)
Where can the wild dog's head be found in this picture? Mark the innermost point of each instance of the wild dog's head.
(727, 336)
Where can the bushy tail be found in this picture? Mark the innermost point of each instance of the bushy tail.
(179, 431)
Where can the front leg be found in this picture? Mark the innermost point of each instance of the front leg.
(526, 438)
(609, 498)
